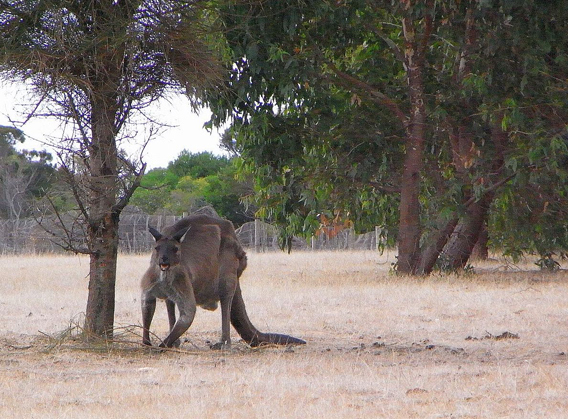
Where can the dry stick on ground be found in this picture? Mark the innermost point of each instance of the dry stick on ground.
(94, 342)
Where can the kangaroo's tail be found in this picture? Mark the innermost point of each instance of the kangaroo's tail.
(249, 333)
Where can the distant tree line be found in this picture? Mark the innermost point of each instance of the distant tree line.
(194, 180)
(191, 181)
(25, 176)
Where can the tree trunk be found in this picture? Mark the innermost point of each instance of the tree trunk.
(458, 250)
(410, 230)
(481, 250)
(99, 318)
(436, 243)
(472, 229)
(103, 220)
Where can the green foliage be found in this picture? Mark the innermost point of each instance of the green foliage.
(197, 165)
(325, 156)
(192, 181)
(25, 176)
(224, 193)
(154, 191)
(314, 130)
(8, 138)
(187, 195)
(530, 215)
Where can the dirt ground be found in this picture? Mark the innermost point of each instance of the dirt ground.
(489, 345)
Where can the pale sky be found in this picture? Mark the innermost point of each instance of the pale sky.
(185, 128)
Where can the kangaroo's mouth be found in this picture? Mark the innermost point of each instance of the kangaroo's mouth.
(164, 266)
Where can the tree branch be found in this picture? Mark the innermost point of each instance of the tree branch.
(352, 81)
(391, 44)
(492, 188)
(119, 206)
(74, 187)
(375, 94)
(65, 241)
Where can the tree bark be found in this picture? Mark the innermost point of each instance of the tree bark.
(103, 220)
(458, 249)
(99, 319)
(410, 230)
(439, 239)
(481, 250)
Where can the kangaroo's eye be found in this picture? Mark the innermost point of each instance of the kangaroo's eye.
(175, 249)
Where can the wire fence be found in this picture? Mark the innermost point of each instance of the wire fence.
(28, 236)
(263, 237)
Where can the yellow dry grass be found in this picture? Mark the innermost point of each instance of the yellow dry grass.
(378, 345)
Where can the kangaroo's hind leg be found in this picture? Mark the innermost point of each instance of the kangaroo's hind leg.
(229, 265)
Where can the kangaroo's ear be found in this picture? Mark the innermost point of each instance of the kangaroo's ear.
(180, 235)
(155, 233)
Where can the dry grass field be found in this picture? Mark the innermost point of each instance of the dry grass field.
(489, 345)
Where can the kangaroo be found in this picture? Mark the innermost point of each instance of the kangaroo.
(198, 261)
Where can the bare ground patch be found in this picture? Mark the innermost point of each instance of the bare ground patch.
(483, 346)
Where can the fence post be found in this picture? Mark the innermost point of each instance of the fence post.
(377, 237)
(256, 235)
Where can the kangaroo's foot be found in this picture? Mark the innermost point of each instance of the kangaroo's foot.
(220, 346)
(175, 344)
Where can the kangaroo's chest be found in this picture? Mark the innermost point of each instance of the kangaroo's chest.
(163, 283)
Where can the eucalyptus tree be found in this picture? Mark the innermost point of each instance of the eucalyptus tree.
(419, 111)
(24, 176)
(96, 65)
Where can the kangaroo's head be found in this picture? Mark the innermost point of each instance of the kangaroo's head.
(168, 249)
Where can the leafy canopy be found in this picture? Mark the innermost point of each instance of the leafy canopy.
(319, 98)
